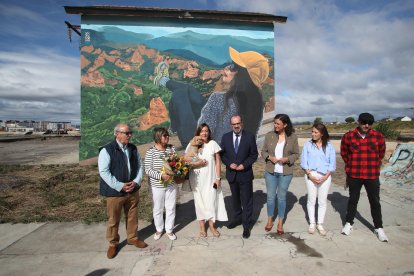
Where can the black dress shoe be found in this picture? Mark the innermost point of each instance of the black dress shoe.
(233, 224)
(246, 233)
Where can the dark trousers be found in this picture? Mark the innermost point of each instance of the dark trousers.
(185, 109)
(372, 186)
(242, 201)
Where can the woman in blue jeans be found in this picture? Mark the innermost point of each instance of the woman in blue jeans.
(280, 151)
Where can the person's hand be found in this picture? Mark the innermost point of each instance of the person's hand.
(128, 186)
(233, 166)
(165, 177)
(240, 167)
(200, 163)
(217, 182)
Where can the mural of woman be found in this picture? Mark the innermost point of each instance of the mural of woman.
(245, 76)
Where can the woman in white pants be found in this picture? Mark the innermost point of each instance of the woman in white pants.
(163, 195)
(318, 160)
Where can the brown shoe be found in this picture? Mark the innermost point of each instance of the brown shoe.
(138, 243)
(112, 250)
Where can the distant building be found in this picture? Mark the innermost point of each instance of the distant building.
(56, 126)
(406, 119)
(18, 129)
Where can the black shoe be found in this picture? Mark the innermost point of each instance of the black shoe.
(233, 224)
(246, 233)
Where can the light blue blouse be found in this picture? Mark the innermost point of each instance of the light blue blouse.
(316, 159)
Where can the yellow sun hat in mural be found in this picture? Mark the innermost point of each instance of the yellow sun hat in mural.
(256, 64)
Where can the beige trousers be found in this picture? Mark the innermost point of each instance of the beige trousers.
(114, 206)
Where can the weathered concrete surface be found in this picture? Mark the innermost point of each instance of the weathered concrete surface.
(79, 249)
(400, 169)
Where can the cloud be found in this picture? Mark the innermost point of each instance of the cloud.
(39, 83)
(336, 61)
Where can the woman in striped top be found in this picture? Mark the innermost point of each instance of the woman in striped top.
(163, 196)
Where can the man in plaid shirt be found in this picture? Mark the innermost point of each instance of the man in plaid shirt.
(362, 150)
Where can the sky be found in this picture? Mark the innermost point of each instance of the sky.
(334, 59)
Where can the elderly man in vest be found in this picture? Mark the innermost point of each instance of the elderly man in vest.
(120, 173)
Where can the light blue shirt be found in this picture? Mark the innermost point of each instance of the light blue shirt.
(315, 159)
(103, 165)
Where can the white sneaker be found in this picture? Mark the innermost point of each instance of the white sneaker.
(172, 236)
(321, 230)
(381, 234)
(312, 228)
(347, 229)
(157, 236)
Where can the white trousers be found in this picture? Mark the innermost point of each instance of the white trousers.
(320, 191)
(164, 198)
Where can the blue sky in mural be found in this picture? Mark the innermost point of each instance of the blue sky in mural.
(334, 59)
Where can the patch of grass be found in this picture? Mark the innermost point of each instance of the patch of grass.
(60, 193)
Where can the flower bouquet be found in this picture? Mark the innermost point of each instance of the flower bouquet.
(175, 166)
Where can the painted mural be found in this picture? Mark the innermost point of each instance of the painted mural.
(172, 75)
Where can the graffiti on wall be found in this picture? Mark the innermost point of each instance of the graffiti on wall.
(400, 169)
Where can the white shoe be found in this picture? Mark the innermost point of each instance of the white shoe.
(381, 234)
(321, 230)
(157, 236)
(312, 228)
(172, 236)
(347, 229)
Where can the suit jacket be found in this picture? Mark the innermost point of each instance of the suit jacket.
(247, 154)
(290, 150)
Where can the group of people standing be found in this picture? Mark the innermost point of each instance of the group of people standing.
(121, 172)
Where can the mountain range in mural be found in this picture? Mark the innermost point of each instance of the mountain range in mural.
(208, 49)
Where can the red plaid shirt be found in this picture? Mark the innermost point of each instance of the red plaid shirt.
(363, 156)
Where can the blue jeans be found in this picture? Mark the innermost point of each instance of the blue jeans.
(277, 183)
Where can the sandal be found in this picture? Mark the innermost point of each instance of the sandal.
(215, 233)
(268, 227)
(203, 234)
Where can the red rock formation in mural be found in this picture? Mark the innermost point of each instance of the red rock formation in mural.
(137, 90)
(84, 62)
(157, 114)
(93, 79)
(87, 49)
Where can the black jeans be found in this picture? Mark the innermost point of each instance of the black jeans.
(372, 186)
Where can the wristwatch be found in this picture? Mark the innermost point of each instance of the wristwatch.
(218, 178)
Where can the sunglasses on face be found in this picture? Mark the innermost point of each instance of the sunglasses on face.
(125, 132)
(233, 67)
(366, 123)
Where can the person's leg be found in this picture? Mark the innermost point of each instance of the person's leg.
(354, 185)
(312, 192)
(236, 203)
(323, 190)
(202, 225)
(282, 189)
(170, 197)
(271, 185)
(131, 215)
(372, 186)
(113, 209)
(246, 197)
(158, 199)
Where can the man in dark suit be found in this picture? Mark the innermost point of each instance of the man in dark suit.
(239, 152)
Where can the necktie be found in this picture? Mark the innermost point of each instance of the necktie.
(236, 144)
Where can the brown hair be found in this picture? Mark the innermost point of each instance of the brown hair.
(158, 133)
(325, 135)
(200, 127)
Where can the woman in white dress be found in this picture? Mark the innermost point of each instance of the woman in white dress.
(206, 182)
